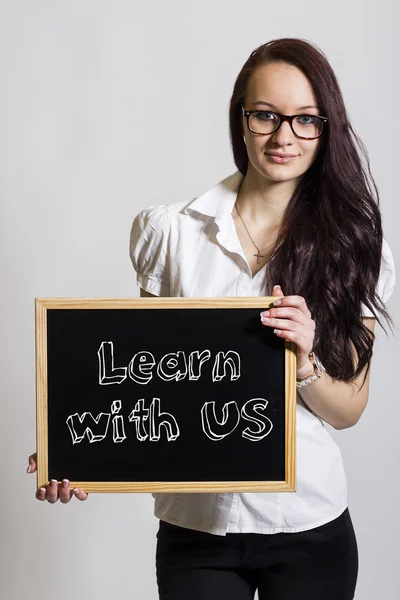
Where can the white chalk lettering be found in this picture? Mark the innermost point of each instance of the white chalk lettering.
(231, 358)
(214, 429)
(158, 419)
(172, 366)
(264, 423)
(95, 427)
(196, 360)
(140, 366)
(107, 373)
(117, 422)
(139, 415)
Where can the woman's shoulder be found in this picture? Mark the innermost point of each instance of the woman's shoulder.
(153, 241)
(151, 218)
(159, 217)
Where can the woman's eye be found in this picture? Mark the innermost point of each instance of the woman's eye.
(265, 115)
(305, 121)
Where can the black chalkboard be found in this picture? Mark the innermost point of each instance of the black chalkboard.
(158, 394)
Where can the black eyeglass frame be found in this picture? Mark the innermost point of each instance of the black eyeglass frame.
(288, 118)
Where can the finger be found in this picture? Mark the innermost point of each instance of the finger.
(294, 336)
(287, 325)
(80, 494)
(64, 492)
(52, 491)
(41, 494)
(295, 301)
(32, 463)
(277, 290)
(289, 313)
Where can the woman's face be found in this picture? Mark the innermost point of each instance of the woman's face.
(282, 88)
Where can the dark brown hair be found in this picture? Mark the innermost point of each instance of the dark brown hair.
(329, 245)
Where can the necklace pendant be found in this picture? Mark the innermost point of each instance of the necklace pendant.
(259, 255)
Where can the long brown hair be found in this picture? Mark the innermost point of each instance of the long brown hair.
(329, 245)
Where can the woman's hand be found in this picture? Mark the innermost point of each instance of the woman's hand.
(292, 320)
(53, 491)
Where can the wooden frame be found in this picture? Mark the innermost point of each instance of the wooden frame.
(43, 304)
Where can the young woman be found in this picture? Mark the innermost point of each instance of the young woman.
(297, 220)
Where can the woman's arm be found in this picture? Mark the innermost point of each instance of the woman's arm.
(338, 403)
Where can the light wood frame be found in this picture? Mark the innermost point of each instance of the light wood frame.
(263, 302)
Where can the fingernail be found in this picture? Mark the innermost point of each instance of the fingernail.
(76, 491)
(42, 490)
(53, 481)
(28, 469)
(276, 287)
(65, 482)
(276, 303)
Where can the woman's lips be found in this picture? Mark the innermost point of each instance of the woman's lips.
(281, 159)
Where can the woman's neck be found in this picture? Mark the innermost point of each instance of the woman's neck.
(262, 202)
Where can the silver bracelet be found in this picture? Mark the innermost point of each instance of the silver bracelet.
(318, 369)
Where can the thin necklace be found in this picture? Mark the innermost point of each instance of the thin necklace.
(258, 255)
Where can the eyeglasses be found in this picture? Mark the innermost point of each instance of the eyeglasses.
(264, 122)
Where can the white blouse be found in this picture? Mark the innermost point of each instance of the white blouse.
(191, 249)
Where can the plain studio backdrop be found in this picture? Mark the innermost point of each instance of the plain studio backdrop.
(107, 107)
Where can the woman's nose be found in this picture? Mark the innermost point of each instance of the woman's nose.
(284, 135)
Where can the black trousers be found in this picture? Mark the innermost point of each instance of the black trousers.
(318, 564)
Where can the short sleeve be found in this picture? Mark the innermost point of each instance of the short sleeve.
(148, 250)
(386, 281)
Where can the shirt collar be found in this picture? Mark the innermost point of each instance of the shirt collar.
(218, 201)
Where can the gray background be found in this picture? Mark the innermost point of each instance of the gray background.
(109, 107)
